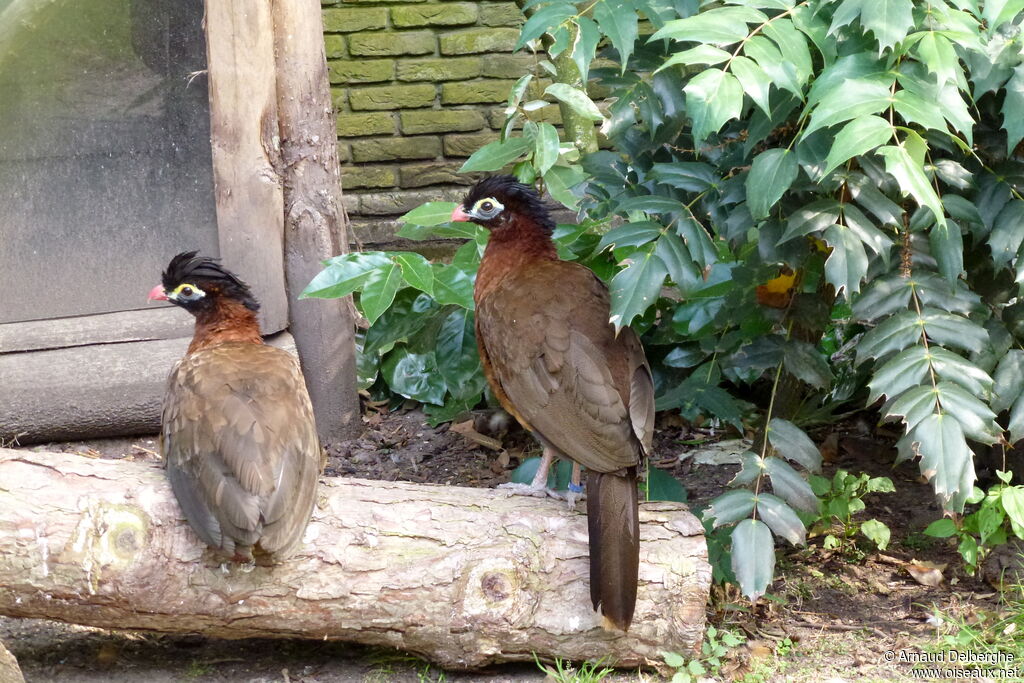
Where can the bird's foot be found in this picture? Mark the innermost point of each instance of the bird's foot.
(513, 489)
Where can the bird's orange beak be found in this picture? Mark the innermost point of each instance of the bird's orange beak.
(459, 215)
(157, 294)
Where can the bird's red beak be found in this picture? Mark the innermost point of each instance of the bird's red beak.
(459, 215)
(157, 294)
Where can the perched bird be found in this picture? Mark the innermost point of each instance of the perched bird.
(237, 436)
(556, 364)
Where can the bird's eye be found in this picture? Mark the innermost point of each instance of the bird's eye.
(487, 206)
(186, 291)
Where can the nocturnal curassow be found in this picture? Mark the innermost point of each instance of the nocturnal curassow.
(237, 436)
(555, 363)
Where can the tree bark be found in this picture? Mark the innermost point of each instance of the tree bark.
(10, 672)
(314, 228)
(464, 577)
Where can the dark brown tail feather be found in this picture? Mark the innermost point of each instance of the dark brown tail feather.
(614, 527)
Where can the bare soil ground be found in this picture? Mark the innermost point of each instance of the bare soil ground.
(829, 615)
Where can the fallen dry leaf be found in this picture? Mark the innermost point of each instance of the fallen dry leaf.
(466, 430)
(830, 447)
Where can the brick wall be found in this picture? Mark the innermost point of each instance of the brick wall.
(418, 86)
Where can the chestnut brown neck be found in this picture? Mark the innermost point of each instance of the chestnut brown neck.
(227, 321)
(509, 248)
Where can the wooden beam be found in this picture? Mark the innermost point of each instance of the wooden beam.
(323, 329)
(246, 149)
(465, 577)
(165, 322)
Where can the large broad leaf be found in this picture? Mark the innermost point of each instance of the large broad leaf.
(882, 297)
(905, 163)
(770, 59)
(663, 486)
(414, 375)
(1007, 233)
(792, 444)
(770, 176)
(496, 155)
(847, 265)
(889, 20)
(677, 259)
(946, 460)
(546, 147)
(947, 243)
(730, 507)
(379, 291)
(712, 98)
(457, 357)
(691, 176)
(793, 45)
(814, 217)
(790, 486)
(877, 532)
(898, 374)
(805, 363)
(588, 35)
(959, 370)
(954, 330)
(560, 181)
(781, 519)
(429, 214)
(914, 405)
(635, 288)
(544, 20)
(403, 319)
(631, 235)
(1009, 380)
(850, 100)
(857, 137)
(720, 26)
(1013, 104)
(345, 274)
(618, 21)
(577, 100)
(893, 334)
(976, 419)
(452, 286)
(756, 83)
(416, 270)
(753, 557)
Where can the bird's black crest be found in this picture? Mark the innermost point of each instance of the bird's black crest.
(188, 266)
(516, 196)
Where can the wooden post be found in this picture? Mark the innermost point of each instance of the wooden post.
(323, 329)
(465, 577)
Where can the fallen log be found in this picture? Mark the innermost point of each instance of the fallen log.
(463, 577)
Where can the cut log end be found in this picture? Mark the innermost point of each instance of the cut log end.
(463, 577)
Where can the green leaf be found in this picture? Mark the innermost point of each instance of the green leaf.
(731, 506)
(663, 486)
(635, 288)
(877, 532)
(618, 21)
(1009, 380)
(847, 265)
(906, 370)
(676, 257)
(631, 235)
(946, 461)
(937, 53)
(793, 444)
(950, 366)
(1013, 502)
(771, 61)
(345, 274)
(941, 528)
(452, 286)
(753, 557)
(430, 214)
(1013, 104)
(546, 147)
(452, 409)
(781, 519)
(584, 48)
(544, 20)
(915, 109)
(853, 99)
(889, 20)
(379, 291)
(771, 174)
(793, 46)
(756, 83)
(1007, 233)
(893, 334)
(559, 475)
(401, 321)
(577, 100)
(712, 98)
(914, 405)
(457, 357)
(702, 54)
(414, 375)
(691, 176)
(814, 217)
(976, 419)
(947, 243)
(948, 329)
(859, 136)
(367, 364)
(910, 175)
(805, 363)
(560, 180)
(415, 270)
(789, 485)
(673, 660)
(496, 155)
(720, 26)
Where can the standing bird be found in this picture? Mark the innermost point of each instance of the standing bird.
(556, 364)
(237, 437)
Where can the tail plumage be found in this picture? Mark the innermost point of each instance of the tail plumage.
(614, 526)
